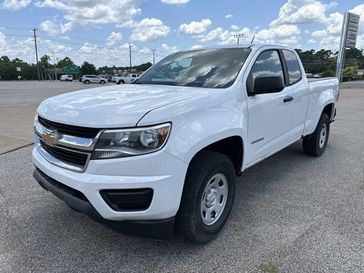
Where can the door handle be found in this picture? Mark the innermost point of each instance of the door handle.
(288, 99)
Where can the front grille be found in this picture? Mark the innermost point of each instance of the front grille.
(84, 132)
(67, 156)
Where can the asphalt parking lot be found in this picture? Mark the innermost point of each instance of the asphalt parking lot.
(292, 213)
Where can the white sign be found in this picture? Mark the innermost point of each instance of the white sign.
(18, 68)
(351, 30)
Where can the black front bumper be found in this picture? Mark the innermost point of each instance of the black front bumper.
(153, 229)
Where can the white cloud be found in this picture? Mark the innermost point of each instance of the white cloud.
(227, 16)
(226, 37)
(149, 29)
(234, 27)
(301, 12)
(195, 27)
(329, 37)
(113, 38)
(15, 4)
(175, 2)
(51, 27)
(83, 13)
(168, 49)
(282, 31)
(196, 47)
(88, 48)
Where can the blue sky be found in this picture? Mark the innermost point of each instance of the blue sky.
(99, 31)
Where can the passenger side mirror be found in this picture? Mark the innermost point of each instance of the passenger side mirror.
(268, 84)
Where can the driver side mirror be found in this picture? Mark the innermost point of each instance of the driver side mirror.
(265, 85)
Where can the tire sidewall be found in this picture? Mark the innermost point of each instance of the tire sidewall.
(324, 120)
(226, 170)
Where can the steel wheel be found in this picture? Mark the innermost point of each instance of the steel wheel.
(323, 136)
(213, 199)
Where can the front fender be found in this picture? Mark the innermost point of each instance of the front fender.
(199, 123)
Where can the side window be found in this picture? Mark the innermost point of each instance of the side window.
(268, 63)
(293, 66)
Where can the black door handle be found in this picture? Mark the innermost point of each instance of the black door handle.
(288, 99)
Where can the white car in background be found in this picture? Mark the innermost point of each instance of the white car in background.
(66, 78)
(87, 79)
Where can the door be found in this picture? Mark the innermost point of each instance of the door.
(275, 119)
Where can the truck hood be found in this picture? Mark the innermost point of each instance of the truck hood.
(114, 106)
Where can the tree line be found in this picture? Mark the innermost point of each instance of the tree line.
(321, 62)
(18, 69)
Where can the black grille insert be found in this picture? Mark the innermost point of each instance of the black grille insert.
(73, 158)
(64, 187)
(128, 199)
(84, 132)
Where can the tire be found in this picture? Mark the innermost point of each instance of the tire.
(102, 82)
(121, 82)
(315, 144)
(192, 220)
(87, 82)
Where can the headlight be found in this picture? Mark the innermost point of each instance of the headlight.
(131, 142)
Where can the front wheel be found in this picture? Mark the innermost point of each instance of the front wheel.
(315, 144)
(102, 82)
(207, 197)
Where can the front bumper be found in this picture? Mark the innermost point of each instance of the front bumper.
(155, 229)
(160, 171)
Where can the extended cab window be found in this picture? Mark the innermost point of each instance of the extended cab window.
(293, 66)
(268, 63)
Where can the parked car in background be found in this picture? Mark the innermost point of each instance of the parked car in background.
(66, 78)
(87, 79)
(126, 79)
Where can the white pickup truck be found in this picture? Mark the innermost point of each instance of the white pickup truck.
(161, 156)
(125, 79)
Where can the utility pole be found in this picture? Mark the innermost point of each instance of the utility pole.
(54, 66)
(238, 36)
(153, 50)
(36, 51)
(130, 57)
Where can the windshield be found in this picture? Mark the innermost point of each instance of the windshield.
(211, 68)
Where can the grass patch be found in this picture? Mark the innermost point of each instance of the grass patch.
(361, 187)
(268, 268)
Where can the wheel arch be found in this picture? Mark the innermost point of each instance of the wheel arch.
(230, 146)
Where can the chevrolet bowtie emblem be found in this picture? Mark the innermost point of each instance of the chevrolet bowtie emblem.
(50, 137)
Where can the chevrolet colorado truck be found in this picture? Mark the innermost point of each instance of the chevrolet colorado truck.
(160, 156)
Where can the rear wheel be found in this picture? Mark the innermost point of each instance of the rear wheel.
(87, 82)
(315, 144)
(207, 197)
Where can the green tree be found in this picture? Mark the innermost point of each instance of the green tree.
(65, 62)
(44, 61)
(87, 68)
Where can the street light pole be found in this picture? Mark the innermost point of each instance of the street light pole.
(130, 57)
(238, 36)
(153, 50)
